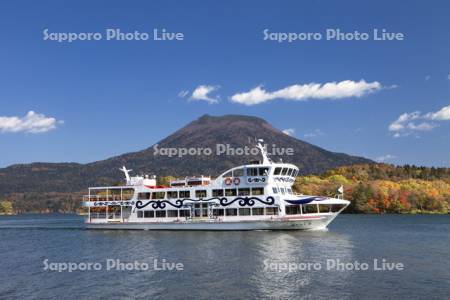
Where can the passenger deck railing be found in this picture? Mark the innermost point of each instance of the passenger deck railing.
(109, 216)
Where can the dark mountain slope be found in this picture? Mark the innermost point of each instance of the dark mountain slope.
(206, 132)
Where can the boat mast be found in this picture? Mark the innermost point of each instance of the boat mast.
(266, 159)
(127, 174)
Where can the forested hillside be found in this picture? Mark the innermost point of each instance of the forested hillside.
(382, 188)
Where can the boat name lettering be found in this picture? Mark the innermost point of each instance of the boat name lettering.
(256, 179)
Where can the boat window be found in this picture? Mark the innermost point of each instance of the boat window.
(324, 208)
(160, 214)
(127, 194)
(289, 191)
(263, 171)
(200, 194)
(205, 210)
(140, 214)
(257, 191)
(218, 212)
(258, 211)
(172, 195)
(238, 172)
(185, 213)
(295, 173)
(293, 209)
(228, 174)
(173, 213)
(144, 196)
(310, 209)
(230, 192)
(244, 192)
(252, 172)
(113, 194)
(231, 211)
(271, 211)
(277, 171)
(217, 193)
(244, 211)
(185, 194)
(282, 190)
(284, 171)
(290, 172)
(275, 190)
(197, 212)
(149, 214)
(194, 182)
(158, 195)
(336, 207)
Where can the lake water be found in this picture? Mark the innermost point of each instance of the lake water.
(227, 265)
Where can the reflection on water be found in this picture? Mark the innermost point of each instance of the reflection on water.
(306, 252)
(226, 264)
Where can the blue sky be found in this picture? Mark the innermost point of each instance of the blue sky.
(111, 97)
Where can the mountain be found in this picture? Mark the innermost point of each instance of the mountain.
(205, 132)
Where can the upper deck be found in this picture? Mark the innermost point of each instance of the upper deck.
(262, 177)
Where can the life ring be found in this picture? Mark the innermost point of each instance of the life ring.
(236, 181)
(228, 181)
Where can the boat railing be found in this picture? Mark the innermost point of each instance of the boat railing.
(102, 215)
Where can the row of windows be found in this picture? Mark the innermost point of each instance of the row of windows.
(200, 211)
(238, 192)
(249, 172)
(282, 190)
(173, 213)
(286, 172)
(170, 195)
(297, 209)
(255, 211)
(312, 208)
(261, 172)
(202, 193)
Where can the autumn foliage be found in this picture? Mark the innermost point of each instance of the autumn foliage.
(382, 188)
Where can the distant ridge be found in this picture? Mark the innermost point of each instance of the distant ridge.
(205, 132)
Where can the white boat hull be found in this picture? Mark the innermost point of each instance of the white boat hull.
(318, 222)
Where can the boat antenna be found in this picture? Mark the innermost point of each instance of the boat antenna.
(127, 174)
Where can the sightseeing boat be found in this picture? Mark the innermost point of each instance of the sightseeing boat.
(255, 196)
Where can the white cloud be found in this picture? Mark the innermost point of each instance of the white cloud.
(31, 123)
(314, 133)
(289, 131)
(402, 121)
(302, 92)
(448, 76)
(442, 115)
(424, 126)
(428, 77)
(202, 93)
(384, 158)
(183, 93)
(408, 123)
